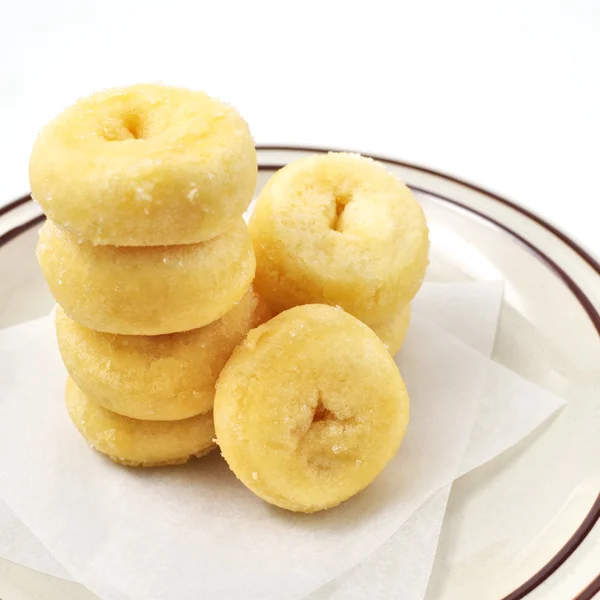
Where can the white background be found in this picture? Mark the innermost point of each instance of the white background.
(503, 93)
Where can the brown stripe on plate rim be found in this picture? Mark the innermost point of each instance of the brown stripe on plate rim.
(12, 205)
(590, 591)
(16, 231)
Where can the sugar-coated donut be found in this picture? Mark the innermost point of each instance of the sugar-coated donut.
(146, 291)
(393, 331)
(147, 165)
(138, 443)
(310, 408)
(339, 229)
(156, 378)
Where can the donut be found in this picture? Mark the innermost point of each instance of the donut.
(310, 408)
(146, 291)
(393, 331)
(339, 229)
(155, 378)
(138, 443)
(147, 165)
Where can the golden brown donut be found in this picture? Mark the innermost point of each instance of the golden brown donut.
(138, 443)
(146, 165)
(146, 291)
(339, 229)
(310, 408)
(156, 378)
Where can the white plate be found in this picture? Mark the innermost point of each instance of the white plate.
(522, 525)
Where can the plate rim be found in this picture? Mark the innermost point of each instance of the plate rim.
(593, 515)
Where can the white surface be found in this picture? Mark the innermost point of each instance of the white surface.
(274, 554)
(504, 93)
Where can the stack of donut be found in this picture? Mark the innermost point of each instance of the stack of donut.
(146, 253)
(311, 407)
(166, 343)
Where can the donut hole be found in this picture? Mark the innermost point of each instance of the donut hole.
(309, 423)
(322, 414)
(329, 442)
(341, 200)
(127, 126)
(133, 123)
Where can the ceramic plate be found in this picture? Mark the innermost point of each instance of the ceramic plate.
(524, 525)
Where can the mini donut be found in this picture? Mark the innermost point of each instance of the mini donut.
(155, 378)
(146, 291)
(339, 229)
(138, 443)
(147, 165)
(393, 331)
(310, 408)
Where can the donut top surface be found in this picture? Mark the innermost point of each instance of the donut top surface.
(338, 228)
(310, 408)
(145, 165)
(346, 194)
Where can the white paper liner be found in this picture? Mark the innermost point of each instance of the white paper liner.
(159, 533)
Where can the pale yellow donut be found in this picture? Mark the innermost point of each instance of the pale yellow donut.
(156, 378)
(393, 331)
(147, 165)
(138, 443)
(310, 408)
(339, 229)
(146, 291)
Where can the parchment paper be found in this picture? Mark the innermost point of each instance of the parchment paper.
(171, 534)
